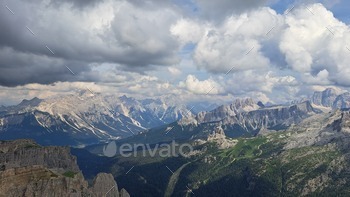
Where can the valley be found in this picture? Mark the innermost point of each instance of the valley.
(265, 165)
(238, 149)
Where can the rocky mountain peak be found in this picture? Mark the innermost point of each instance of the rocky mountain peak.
(342, 101)
(246, 101)
(343, 123)
(224, 111)
(305, 106)
(325, 98)
(331, 91)
(127, 100)
(260, 104)
(32, 102)
(87, 93)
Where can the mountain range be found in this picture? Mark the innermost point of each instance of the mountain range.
(308, 157)
(87, 118)
(243, 118)
(91, 118)
(243, 148)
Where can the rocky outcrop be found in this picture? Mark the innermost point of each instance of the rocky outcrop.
(342, 101)
(21, 153)
(124, 193)
(322, 129)
(224, 111)
(27, 169)
(220, 139)
(325, 98)
(331, 98)
(40, 181)
(104, 185)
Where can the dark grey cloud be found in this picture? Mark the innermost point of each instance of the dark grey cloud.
(18, 68)
(218, 10)
(151, 3)
(77, 3)
(119, 33)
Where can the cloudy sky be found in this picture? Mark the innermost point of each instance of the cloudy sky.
(271, 50)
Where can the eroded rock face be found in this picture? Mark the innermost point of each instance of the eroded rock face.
(342, 101)
(104, 185)
(124, 193)
(220, 139)
(331, 98)
(321, 130)
(21, 153)
(325, 98)
(40, 181)
(27, 169)
(272, 117)
(224, 111)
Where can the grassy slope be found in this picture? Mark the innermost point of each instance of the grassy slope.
(256, 166)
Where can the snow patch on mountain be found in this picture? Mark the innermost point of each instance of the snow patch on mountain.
(87, 115)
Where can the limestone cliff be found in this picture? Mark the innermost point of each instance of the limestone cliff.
(27, 169)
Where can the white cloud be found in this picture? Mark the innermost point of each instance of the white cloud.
(320, 79)
(237, 42)
(187, 31)
(196, 86)
(174, 71)
(315, 44)
(250, 81)
(141, 36)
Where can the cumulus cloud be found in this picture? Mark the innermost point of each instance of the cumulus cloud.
(272, 53)
(315, 43)
(322, 78)
(269, 84)
(174, 71)
(237, 42)
(196, 86)
(188, 31)
(129, 46)
(115, 32)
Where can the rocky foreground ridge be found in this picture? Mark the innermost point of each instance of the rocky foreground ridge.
(27, 169)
